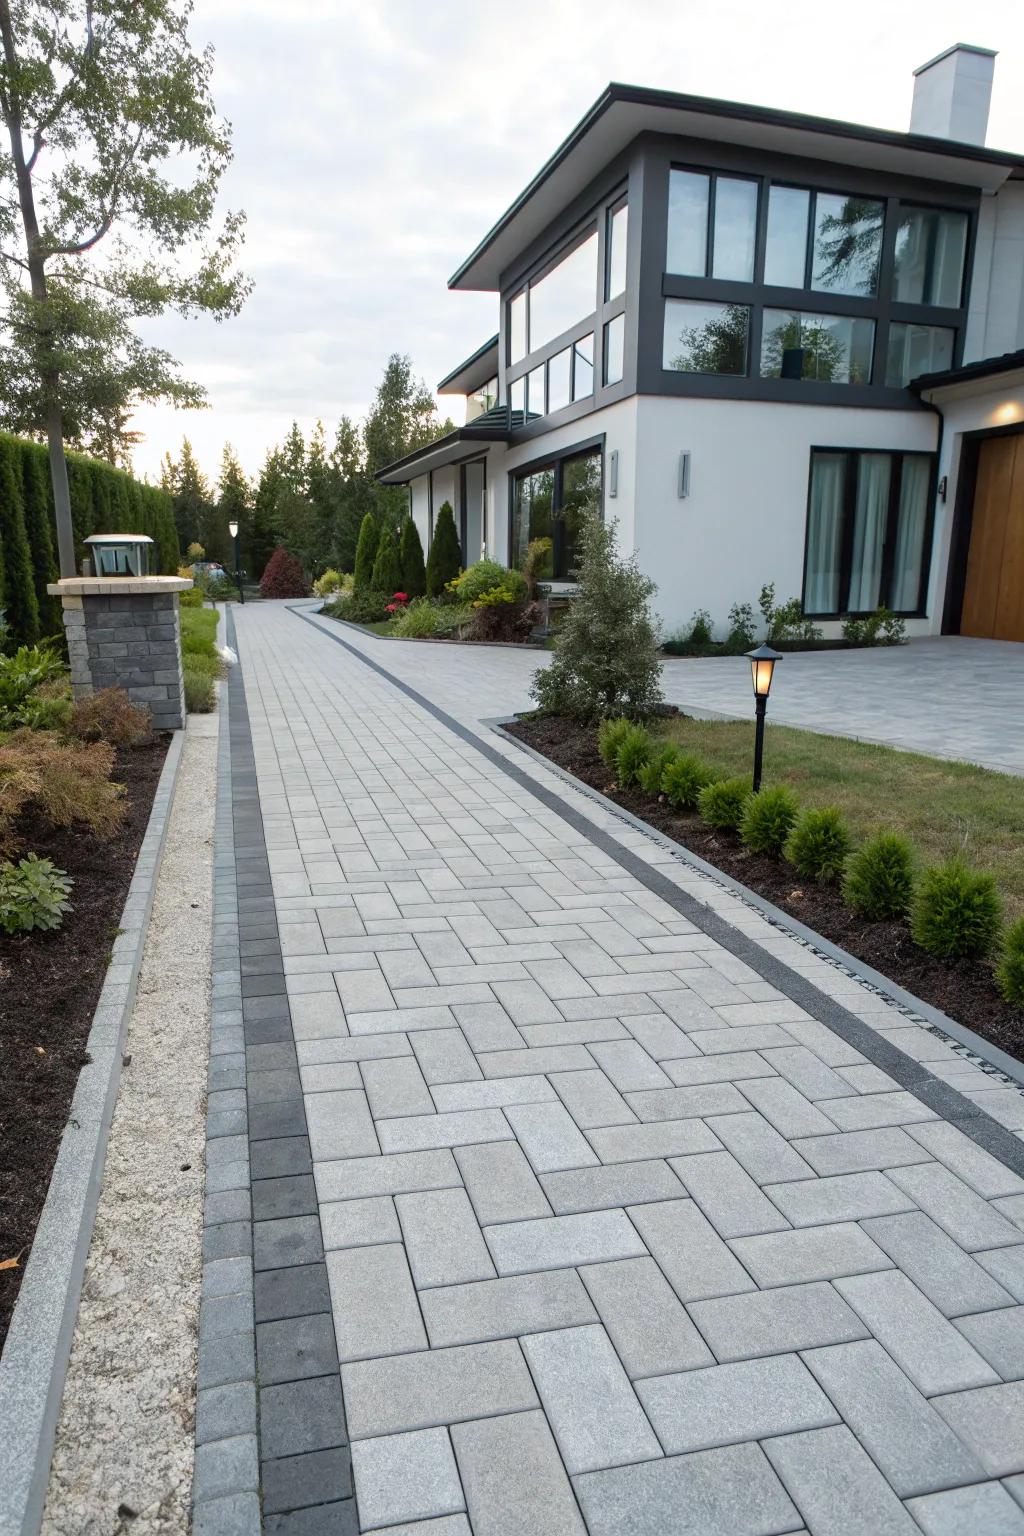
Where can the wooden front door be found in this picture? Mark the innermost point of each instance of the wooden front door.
(994, 591)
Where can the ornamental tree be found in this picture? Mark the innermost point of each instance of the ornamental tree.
(107, 194)
(366, 554)
(445, 559)
(283, 576)
(387, 567)
(414, 572)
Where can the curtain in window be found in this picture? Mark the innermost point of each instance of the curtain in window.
(824, 533)
(911, 520)
(870, 515)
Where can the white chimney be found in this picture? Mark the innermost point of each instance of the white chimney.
(952, 94)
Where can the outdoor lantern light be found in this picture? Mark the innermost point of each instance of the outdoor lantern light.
(762, 666)
(233, 530)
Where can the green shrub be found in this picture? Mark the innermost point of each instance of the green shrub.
(481, 581)
(109, 715)
(193, 598)
(22, 677)
(609, 738)
(539, 564)
(956, 912)
(1010, 970)
(452, 616)
(361, 608)
(701, 629)
(283, 576)
(200, 696)
(445, 558)
(606, 658)
(416, 621)
(33, 894)
(879, 882)
(327, 584)
(742, 634)
(722, 805)
(634, 751)
(785, 621)
(653, 771)
(414, 572)
(819, 844)
(683, 780)
(366, 553)
(768, 819)
(387, 567)
(17, 578)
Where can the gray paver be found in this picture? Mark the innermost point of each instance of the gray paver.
(396, 1174)
(900, 1430)
(506, 1308)
(514, 1478)
(774, 1322)
(947, 1276)
(612, 1184)
(766, 1155)
(628, 1065)
(340, 1125)
(444, 1056)
(968, 1219)
(785, 1107)
(442, 1238)
(437, 1386)
(999, 1336)
(844, 1197)
(990, 1420)
(396, 1087)
(727, 1404)
(501, 1183)
(836, 1485)
(419, 1133)
(554, 1242)
(590, 1404)
(730, 1491)
(694, 1259)
(914, 1331)
(970, 1162)
(686, 1103)
(550, 1137)
(661, 1138)
(810, 1253)
(859, 1151)
(591, 1099)
(1006, 1265)
(644, 1318)
(727, 1194)
(355, 1223)
(375, 1309)
(405, 1477)
(987, 1507)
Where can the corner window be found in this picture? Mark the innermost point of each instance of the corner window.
(700, 203)
(615, 256)
(486, 397)
(517, 328)
(614, 341)
(705, 338)
(931, 247)
(536, 403)
(517, 395)
(867, 532)
(564, 295)
(917, 349)
(833, 349)
(550, 502)
(583, 367)
(559, 382)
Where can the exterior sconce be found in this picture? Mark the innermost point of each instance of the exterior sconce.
(683, 484)
(762, 667)
(613, 472)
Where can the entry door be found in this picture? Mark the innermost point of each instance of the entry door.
(994, 592)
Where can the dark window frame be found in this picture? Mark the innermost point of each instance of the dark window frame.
(463, 465)
(896, 457)
(927, 206)
(713, 174)
(556, 463)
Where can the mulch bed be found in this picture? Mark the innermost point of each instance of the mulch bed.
(965, 992)
(49, 987)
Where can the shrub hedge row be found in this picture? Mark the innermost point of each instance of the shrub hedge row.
(103, 500)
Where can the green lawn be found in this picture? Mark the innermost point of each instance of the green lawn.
(943, 807)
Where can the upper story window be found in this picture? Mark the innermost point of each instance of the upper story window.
(931, 247)
(555, 302)
(712, 225)
(486, 397)
(705, 338)
(834, 349)
(615, 260)
(844, 251)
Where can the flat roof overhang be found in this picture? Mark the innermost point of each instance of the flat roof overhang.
(623, 112)
(476, 370)
(973, 378)
(467, 442)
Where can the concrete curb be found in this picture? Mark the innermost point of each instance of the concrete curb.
(897, 995)
(35, 1356)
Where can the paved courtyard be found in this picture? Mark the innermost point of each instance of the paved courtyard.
(551, 1189)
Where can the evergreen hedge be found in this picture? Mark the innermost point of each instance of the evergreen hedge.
(103, 500)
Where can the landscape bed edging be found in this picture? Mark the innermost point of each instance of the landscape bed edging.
(859, 969)
(35, 1356)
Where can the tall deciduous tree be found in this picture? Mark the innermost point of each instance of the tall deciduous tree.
(106, 195)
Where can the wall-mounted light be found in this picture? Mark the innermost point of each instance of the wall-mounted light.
(683, 484)
(613, 472)
(943, 485)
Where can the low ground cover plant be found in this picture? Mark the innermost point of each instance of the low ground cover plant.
(32, 689)
(201, 665)
(57, 783)
(34, 894)
(109, 715)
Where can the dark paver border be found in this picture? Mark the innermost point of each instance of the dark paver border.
(38, 1345)
(910, 1074)
(271, 1440)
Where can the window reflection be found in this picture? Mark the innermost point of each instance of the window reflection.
(583, 367)
(559, 368)
(735, 229)
(687, 249)
(863, 504)
(847, 244)
(551, 503)
(785, 257)
(517, 395)
(833, 349)
(535, 392)
(567, 293)
(614, 342)
(705, 338)
(618, 226)
(930, 249)
(917, 349)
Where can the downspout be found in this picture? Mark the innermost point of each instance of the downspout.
(931, 406)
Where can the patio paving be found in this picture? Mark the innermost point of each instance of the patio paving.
(583, 1199)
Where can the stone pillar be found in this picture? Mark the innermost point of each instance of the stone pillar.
(124, 632)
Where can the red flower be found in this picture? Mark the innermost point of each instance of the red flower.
(400, 597)
(391, 607)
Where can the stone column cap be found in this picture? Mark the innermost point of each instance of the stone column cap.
(118, 586)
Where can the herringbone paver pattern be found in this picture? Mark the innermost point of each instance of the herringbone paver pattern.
(618, 1236)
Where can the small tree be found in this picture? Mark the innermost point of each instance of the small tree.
(366, 553)
(283, 576)
(606, 658)
(445, 559)
(387, 567)
(414, 572)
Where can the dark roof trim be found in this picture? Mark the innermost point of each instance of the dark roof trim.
(494, 426)
(988, 366)
(471, 362)
(710, 106)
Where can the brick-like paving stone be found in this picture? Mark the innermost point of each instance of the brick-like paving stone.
(569, 1190)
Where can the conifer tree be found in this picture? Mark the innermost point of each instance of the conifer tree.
(21, 610)
(36, 494)
(387, 567)
(414, 573)
(445, 559)
(366, 554)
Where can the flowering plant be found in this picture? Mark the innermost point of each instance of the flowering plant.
(398, 602)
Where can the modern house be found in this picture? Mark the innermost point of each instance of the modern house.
(777, 348)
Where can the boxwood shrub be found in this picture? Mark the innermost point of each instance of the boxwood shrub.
(879, 881)
(819, 844)
(722, 805)
(956, 913)
(768, 819)
(634, 751)
(683, 780)
(1010, 971)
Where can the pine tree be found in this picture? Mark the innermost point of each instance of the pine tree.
(36, 498)
(21, 610)
(366, 553)
(445, 559)
(414, 575)
(191, 496)
(387, 565)
(234, 504)
(606, 658)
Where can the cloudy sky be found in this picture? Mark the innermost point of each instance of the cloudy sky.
(375, 143)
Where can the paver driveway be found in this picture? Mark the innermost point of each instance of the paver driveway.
(582, 1198)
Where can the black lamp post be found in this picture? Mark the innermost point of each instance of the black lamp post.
(762, 665)
(233, 530)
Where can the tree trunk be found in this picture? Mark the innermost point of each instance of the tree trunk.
(50, 376)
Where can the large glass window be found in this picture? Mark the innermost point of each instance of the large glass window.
(535, 400)
(517, 328)
(486, 396)
(785, 257)
(559, 386)
(705, 338)
(583, 367)
(735, 225)
(551, 503)
(847, 244)
(833, 349)
(566, 294)
(614, 342)
(917, 349)
(615, 259)
(517, 395)
(867, 532)
(931, 245)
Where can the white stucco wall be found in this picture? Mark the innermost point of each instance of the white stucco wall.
(744, 521)
(421, 507)
(995, 313)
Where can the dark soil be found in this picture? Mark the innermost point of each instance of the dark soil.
(49, 987)
(965, 991)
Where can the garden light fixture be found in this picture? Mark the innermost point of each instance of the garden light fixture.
(233, 530)
(762, 666)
